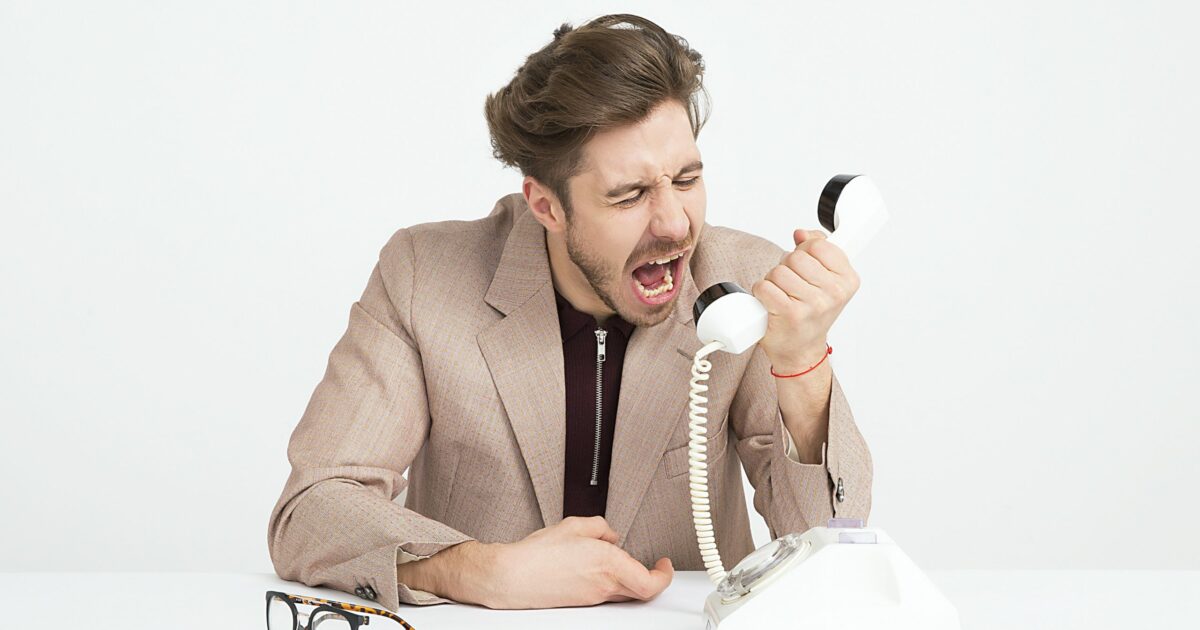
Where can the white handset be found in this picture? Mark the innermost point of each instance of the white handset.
(730, 319)
(850, 207)
(838, 576)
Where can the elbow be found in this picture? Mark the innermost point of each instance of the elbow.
(279, 546)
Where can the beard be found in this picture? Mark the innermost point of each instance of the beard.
(608, 282)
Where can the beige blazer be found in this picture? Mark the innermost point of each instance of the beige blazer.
(452, 365)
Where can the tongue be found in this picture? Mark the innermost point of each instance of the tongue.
(650, 274)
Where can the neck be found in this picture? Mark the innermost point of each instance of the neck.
(570, 282)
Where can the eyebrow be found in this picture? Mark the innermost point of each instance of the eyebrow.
(631, 186)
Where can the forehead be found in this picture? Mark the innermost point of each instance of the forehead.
(662, 143)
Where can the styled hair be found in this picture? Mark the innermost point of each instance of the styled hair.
(612, 71)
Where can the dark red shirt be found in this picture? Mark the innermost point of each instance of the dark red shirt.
(580, 367)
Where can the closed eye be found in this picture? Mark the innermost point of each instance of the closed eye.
(632, 201)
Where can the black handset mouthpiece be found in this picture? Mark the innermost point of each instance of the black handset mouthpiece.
(710, 295)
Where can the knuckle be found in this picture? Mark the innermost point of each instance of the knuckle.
(605, 560)
(602, 591)
(641, 590)
(609, 585)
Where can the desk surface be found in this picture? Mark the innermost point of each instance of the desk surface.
(1058, 600)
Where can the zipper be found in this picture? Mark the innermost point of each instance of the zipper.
(600, 355)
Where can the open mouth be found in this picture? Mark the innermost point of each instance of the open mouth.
(656, 282)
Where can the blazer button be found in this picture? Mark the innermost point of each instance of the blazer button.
(360, 592)
(841, 491)
(370, 593)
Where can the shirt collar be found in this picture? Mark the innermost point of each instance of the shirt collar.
(572, 321)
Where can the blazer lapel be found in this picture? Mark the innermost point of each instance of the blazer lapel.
(524, 355)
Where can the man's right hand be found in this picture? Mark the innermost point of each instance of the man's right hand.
(575, 562)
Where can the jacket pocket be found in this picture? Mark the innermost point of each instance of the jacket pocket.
(675, 460)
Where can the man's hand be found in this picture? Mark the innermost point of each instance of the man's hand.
(573, 563)
(803, 296)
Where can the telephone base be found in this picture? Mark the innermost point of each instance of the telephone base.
(829, 578)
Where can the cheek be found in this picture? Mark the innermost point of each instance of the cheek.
(621, 245)
(696, 204)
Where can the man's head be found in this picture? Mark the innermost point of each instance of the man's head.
(602, 122)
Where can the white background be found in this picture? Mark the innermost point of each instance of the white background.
(193, 194)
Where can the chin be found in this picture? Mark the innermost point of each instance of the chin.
(643, 318)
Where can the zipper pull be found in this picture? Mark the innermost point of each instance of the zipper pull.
(600, 335)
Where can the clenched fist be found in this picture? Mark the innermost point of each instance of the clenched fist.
(803, 295)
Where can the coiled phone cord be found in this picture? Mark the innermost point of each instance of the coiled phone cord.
(697, 466)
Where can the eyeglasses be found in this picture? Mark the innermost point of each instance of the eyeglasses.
(282, 614)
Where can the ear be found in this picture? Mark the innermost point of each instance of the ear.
(544, 205)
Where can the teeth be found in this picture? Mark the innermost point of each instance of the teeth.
(663, 288)
(663, 261)
(667, 284)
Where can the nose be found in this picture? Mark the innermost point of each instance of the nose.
(670, 221)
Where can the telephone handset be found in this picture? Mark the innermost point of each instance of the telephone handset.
(842, 575)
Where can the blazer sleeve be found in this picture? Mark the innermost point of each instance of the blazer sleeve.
(790, 495)
(335, 523)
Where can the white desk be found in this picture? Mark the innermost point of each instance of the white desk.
(1025, 600)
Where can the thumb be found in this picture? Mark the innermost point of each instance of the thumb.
(799, 236)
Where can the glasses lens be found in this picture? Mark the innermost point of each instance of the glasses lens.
(325, 620)
(279, 615)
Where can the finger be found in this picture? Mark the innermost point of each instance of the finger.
(643, 583)
(665, 567)
(591, 527)
(832, 257)
(808, 267)
(771, 296)
(661, 576)
(620, 593)
(610, 536)
(793, 285)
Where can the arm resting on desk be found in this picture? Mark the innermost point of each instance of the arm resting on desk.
(335, 523)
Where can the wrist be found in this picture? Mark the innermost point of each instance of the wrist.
(807, 359)
(460, 573)
(478, 579)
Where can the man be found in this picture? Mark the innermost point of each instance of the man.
(532, 367)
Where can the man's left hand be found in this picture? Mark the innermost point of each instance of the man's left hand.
(803, 295)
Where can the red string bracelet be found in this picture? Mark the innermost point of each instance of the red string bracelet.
(828, 351)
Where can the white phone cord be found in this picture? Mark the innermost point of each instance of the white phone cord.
(698, 469)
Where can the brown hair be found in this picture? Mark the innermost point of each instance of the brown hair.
(612, 71)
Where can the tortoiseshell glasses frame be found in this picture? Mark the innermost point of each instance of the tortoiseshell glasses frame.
(325, 608)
